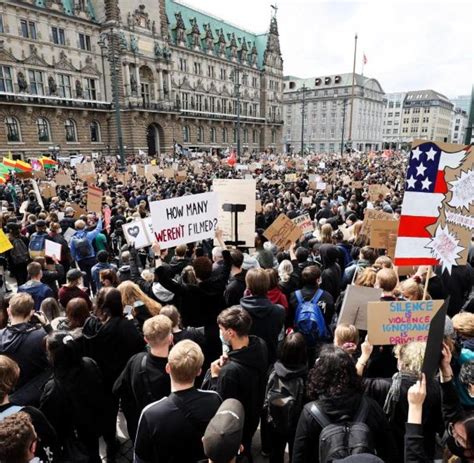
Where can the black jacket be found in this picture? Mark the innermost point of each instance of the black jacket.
(331, 276)
(414, 450)
(111, 345)
(24, 343)
(340, 409)
(143, 380)
(235, 288)
(268, 321)
(458, 285)
(244, 378)
(325, 303)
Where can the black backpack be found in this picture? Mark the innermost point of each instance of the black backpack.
(19, 252)
(283, 402)
(341, 440)
(83, 247)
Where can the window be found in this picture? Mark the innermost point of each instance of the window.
(186, 137)
(390, 105)
(28, 29)
(254, 136)
(43, 129)
(246, 136)
(71, 134)
(58, 36)
(210, 71)
(197, 68)
(36, 82)
(200, 135)
(224, 136)
(13, 129)
(322, 147)
(6, 82)
(183, 65)
(273, 136)
(84, 42)
(223, 74)
(199, 102)
(91, 90)
(145, 93)
(213, 135)
(395, 131)
(1, 24)
(94, 129)
(64, 86)
(254, 82)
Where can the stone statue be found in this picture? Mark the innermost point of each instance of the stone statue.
(133, 83)
(79, 91)
(53, 87)
(123, 40)
(133, 44)
(22, 83)
(157, 49)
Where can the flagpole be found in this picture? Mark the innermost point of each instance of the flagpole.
(352, 95)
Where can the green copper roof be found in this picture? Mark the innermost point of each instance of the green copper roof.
(68, 7)
(189, 14)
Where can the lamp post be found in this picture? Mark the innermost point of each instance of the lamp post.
(110, 41)
(235, 77)
(303, 107)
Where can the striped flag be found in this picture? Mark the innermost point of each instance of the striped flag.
(425, 191)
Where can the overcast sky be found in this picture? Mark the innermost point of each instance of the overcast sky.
(410, 45)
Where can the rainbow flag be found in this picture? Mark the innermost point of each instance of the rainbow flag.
(9, 162)
(48, 163)
(23, 166)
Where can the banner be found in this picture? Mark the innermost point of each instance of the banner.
(236, 210)
(283, 232)
(437, 218)
(94, 199)
(305, 223)
(354, 305)
(185, 219)
(400, 322)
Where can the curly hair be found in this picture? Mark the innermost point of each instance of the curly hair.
(9, 374)
(16, 436)
(334, 373)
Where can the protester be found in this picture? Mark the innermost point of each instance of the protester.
(18, 439)
(73, 289)
(37, 290)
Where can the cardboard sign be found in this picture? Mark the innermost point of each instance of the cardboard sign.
(283, 232)
(354, 305)
(378, 192)
(185, 219)
(52, 249)
(39, 174)
(78, 211)
(258, 206)
(37, 193)
(86, 171)
(68, 234)
(5, 244)
(62, 179)
(383, 235)
(47, 191)
(400, 322)
(321, 186)
(291, 178)
(370, 216)
(357, 185)
(346, 180)
(307, 200)
(305, 223)
(140, 170)
(136, 233)
(168, 173)
(94, 199)
(181, 176)
(236, 210)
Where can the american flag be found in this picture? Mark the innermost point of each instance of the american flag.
(425, 191)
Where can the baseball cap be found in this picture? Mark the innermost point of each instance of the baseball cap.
(360, 458)
(223, 435)
(74, 274)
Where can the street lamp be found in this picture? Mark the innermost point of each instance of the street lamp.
(235, 77)
(110, 41)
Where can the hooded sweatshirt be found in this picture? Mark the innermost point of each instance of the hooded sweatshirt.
(268, 321)
(37, 290)
(234, 290)
(24, 344)
(331, 276)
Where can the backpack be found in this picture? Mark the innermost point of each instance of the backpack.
(341, 440)
(19, 252)
(37, 244)
(283, 402)
(309, 320)
(83, 247)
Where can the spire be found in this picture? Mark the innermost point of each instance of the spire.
(273, 42)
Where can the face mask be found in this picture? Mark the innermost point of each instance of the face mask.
(225, 344)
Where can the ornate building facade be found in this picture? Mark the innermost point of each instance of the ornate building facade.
(177, 74)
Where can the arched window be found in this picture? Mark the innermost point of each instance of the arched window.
(213, 135)
(255, 136)
(13, 129)
(71, 133)
(200, 135)
(186, 137)
(44, 133)
(224, 136)
(95, 131)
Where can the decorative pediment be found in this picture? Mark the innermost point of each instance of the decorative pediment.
(35, 59)
(185, 85)
(89, 67)
(212, 88)
(6, 55)
(140, 18)
(200, 87)
(64, 64)
(225, 92)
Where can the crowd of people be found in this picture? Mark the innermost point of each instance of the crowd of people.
(203, 346)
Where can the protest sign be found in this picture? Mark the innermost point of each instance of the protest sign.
(37, 193)
(69, 233)
(354, 305)
(258, 206)
(39, 174)
(78, 211)
(305, 223)
(136, 233)
(185, 219)
(236, 210)
(5, 244)
(168, 173)
(283, 232)
(383, 235)
(437, 218)
(86, 171)
(94, 199)
(62, 179)
(400, 322)
(52, 249)
(307, 200)
(291, 178)
(140, 170)
(47, 190)
(181, 176)
(377, 192)
(370, 216)
(321, 186)
(357, 185)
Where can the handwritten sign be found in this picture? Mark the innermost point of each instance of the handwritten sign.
(354, 305)
(383, 235)
(400, 322)
(378, 192)
(370, 216)
(185, 219)
(136, 233)
(357, 185)
(283, 232)
(62, 179)
(321, 186)
(291, 178)
(305, 223)
(86, 171)
(52, 249)
(94, 199)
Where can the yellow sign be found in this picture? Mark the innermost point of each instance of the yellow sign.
(5, 244)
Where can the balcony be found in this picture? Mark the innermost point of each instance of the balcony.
(162, 106)
(225, 116)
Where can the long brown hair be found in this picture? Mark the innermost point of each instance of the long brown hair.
(132, 293)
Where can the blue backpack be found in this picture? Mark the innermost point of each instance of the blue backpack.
(37, 245)
(309, 320)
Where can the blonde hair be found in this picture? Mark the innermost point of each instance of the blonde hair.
(347, 337)
(326, 233)
(285, 269)
(463, 323)
(131, 293)
(156, 329)
(387, 279)
(383, 262)
(185, 361)
(366, 277)
(172, 313)
(410, 356)
(411, 290)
